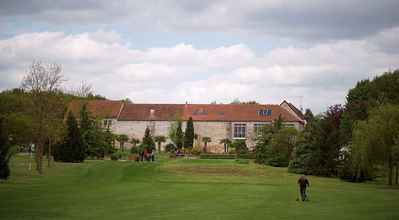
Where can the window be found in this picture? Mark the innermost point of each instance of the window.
(200, 111)
(264, 112)
(239, 131)
(107, 123)
(289, 125)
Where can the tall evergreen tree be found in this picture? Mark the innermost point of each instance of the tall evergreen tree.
(179, 136)
(86, 126)
(4, 152)
(72, 150)
(189, 134)
(148, 142)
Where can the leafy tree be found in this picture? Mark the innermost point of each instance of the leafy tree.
(275, 145)
(262, 146)
(189, 134)
(159, 139)
(319, 151)
(134, 142)
(278, 123)
(226, 143)
(206, 140)
(122, 139)
(147, 141)
(43, 83)
(365, 96)
(308, 115)
(375, 141)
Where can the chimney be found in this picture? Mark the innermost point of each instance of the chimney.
(152, 113)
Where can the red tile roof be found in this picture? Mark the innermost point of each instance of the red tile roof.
(142, 112)
(97, 108)
(235, 112)
(169, 112)
(202, 112)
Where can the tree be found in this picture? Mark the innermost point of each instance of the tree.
(175, 132)
(159, 139)
(5, 153)
(134, 142)
(206, 140)
(189, 134)
(122, 139)
(226, 142)
(72, 149)
(319, 151)
(86, 128)
(308, 115)
(43, 82)
(375, 141)
(179, 136)
(148, 142)
(84, 90)
(278, 123)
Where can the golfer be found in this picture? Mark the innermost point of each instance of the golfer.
(303, 183)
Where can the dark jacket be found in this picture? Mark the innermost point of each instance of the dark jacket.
(303, 182)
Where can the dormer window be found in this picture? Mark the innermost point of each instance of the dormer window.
(200, 111)
(264, 112)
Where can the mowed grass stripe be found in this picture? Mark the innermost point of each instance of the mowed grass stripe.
(184, 189)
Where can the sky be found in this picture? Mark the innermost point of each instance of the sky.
(167, 51)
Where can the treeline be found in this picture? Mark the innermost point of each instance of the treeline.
(358, 141)
(32, 116)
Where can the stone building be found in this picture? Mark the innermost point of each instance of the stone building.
(217, 121)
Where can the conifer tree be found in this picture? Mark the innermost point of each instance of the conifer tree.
(72, 150)
(148, 142)
(179, 136)
(189, 134)
(4, 153)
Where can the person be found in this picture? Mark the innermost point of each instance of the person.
(152, 155)
(303, 182)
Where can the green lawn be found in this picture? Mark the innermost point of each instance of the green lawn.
(184, 189)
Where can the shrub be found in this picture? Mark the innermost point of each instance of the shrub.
(114, 157)
(247, 156)
(119, 155)
(170, 147)
(134, 150)
(196, 151)
(240, 146)
(217, 156)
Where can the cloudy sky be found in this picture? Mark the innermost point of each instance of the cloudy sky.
(169, 51)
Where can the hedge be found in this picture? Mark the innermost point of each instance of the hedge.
(217, 156)
(227, 156)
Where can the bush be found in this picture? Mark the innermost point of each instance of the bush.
(249, 156)
(196, 151)
(134, 150)
(240, 146)
(170, 147)
(278, 161)
(217, 156)
(119, 155)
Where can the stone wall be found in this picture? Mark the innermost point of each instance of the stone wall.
(215, 130)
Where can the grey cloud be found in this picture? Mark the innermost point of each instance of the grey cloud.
(302, 19)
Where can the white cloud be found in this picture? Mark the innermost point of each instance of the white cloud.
(321, 73)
